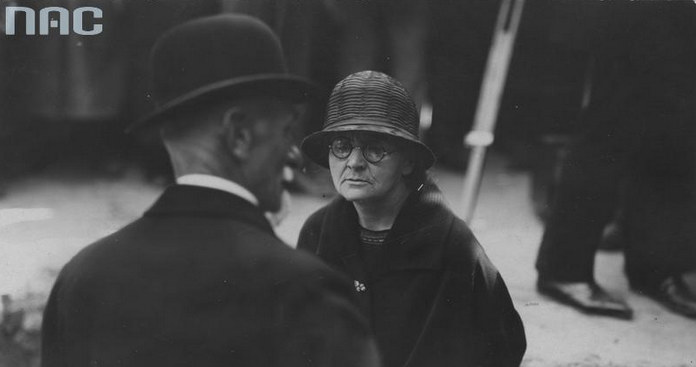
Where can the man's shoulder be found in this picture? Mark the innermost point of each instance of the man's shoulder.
(265, 261)
(105, 250)
(221, 239)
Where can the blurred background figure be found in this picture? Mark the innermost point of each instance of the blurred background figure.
(544, 91)
(640, 127)
(39, 112)
(298, 24)
(384, 35)
(459, 37)
(69, 98)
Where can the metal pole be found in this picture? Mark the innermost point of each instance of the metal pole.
(481, 135)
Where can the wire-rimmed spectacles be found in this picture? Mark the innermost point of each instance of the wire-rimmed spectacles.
(342, 148)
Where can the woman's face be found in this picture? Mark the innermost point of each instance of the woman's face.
(375, 178)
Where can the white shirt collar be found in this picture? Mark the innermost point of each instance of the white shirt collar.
(219, 183)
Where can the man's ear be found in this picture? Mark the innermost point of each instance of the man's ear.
(236, 134)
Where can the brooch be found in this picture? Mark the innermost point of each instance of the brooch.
(360, 287)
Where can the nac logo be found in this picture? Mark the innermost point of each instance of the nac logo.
(53, 17)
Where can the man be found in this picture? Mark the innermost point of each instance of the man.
(201, 279)
(639, 128)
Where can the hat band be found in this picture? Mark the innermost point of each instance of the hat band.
(371, 126)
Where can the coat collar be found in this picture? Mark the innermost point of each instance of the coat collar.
(216, 182)
(197, 201)
(416, 241)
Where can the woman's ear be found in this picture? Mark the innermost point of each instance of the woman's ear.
(236, 135)
(408, 166)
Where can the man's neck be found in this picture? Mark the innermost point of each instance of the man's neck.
(380, 215)
(217, 183)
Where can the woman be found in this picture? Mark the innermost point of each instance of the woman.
(432, 296)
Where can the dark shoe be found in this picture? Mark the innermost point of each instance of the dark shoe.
(675, 295)
(589, 298)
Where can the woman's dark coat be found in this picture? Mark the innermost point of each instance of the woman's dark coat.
(436, 300)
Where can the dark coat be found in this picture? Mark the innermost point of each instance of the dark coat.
(436, 299)
(201, 280)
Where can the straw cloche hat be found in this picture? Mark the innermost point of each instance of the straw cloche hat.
(368, 101)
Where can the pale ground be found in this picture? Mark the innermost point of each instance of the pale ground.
(46, 219)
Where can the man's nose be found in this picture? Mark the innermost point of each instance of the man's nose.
(356, 159)
(294, 158)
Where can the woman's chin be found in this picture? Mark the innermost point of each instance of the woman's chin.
(352, 194)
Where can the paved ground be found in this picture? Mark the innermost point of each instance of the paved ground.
(44, 220)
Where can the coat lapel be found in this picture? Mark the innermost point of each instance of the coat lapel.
(339, 245)
(419, 232)
(415, 242)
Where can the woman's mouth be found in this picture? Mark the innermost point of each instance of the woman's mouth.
(356, 181)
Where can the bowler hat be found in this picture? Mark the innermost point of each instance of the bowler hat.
(373, 102)
(222, 56)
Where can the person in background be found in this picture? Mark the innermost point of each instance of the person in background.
(430, 292)
(385, 35)
(639, 128)
(201, 279)
(458, 38)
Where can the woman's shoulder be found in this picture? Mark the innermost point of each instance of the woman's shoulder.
(458, 244)
(317, 217)
(313, 225)
(463, 250)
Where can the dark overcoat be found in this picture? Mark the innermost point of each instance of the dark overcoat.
(200, 280)
(436, 299)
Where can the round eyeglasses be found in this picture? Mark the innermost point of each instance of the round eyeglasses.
(342, 148)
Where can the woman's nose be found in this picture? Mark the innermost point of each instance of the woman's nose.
(356, 159)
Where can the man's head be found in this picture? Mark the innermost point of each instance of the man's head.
(221, 57)
(225, 103)
(248, 141)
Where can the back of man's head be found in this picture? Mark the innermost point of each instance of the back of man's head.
(247, 141)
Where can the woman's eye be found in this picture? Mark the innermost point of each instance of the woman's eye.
(374, 149)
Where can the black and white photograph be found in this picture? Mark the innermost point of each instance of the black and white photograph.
(348, 183)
